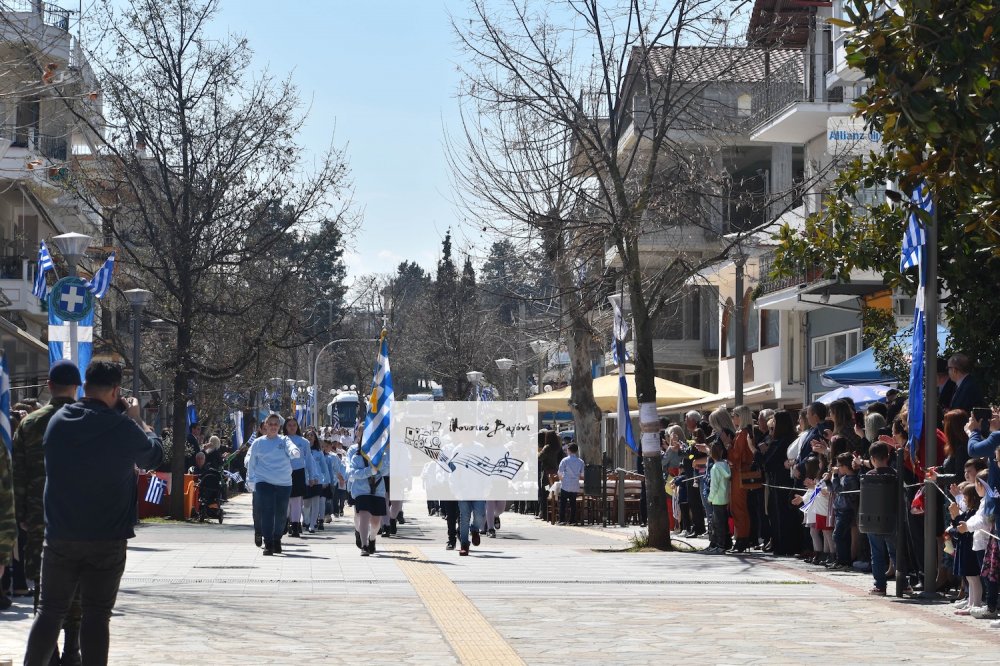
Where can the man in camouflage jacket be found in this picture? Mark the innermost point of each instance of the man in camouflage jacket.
(8, 529)
(29, 463)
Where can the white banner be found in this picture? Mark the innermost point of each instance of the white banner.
(464, 451)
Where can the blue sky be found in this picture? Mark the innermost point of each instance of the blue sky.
(380, 78)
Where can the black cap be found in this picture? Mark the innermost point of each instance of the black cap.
(65, 373)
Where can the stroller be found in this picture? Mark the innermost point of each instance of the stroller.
(209, 495)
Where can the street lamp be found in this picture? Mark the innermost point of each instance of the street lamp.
(504, 365)
(137, 298)
(475, 377)
(72, 246)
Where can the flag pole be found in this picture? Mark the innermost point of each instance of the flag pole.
(931, 518)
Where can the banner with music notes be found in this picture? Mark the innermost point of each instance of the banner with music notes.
(484, 450)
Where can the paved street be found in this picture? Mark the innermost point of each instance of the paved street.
(538, 593)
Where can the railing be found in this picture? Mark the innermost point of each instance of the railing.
(769, 285)
(52, 15)
(52, 147)
(796, 80)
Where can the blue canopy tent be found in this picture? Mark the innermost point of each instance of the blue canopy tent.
(861, 369)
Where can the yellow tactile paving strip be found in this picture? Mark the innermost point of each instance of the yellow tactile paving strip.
(471, 636)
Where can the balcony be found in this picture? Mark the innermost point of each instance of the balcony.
(17, 277)
(792, 104)
(51, 15)
(52, 147)
(769, 285)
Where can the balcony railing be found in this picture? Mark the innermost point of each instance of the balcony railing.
(52, 147)
(52, 15)
(769, 285)
(796, 80)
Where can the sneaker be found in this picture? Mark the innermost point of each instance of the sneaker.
(364, 552)
(276, 547)
(357, 539)
(964, 603)
(392, 526)
(258, 540)
(492, 533)
(995, 624)
(450, 546)
(963, 611)
(983, 613)
(464, 551)
(876, 592)
(862, 565)
(401, 519)
(311, 530)
(267, 549)
(475, 539)
(496, 523)
(320, 526)
(371, 546)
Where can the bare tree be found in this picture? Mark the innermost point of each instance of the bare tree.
(197, 176)
(593, 125)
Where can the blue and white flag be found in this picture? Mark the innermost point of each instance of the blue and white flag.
(624, 420)
(5, 430)
(914, 246)
(915, 237)
(102, 278)
(157, 486)
(192, 414)
(237, 429)
(375, 437)
(40, 289)
(59, 335)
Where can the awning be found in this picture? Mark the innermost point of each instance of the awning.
(606, 394)
(821, 293)
(861, 369)
(751, 395)
(23, 335)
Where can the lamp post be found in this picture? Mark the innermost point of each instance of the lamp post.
(137, 298)
(504, 365)
(475, 377)
(72, 246)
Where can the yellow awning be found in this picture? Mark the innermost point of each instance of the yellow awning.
(606, 394)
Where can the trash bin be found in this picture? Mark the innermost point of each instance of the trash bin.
(879, 510)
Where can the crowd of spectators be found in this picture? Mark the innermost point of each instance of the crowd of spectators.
(791, 485)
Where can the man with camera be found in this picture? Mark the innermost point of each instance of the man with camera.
(91, 450)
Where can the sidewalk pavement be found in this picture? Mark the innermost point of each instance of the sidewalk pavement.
(536, 594)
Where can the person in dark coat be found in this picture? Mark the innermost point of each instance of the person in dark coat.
(968, 393)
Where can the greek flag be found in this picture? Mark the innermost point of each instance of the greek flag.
(40, 289)
(5, 431)
(375, 438)
(624, 420)
(237, 429)
(914, 244)
(157, 486)
(915, 236)
(102, 278)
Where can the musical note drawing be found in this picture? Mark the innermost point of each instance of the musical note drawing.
(506, 467)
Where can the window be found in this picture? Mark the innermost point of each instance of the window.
(830, 350)
(751, 324)
(728, 330)
(743, 105)
(769, 328)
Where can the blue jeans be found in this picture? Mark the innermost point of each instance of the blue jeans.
(842, 535)
(879, 544)
(470, 512)
(272, 510)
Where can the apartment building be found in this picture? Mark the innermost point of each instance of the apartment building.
(43, 80)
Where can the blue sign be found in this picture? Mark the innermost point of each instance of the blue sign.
(70, 299)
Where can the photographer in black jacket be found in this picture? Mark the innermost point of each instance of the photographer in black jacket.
(91, 450)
